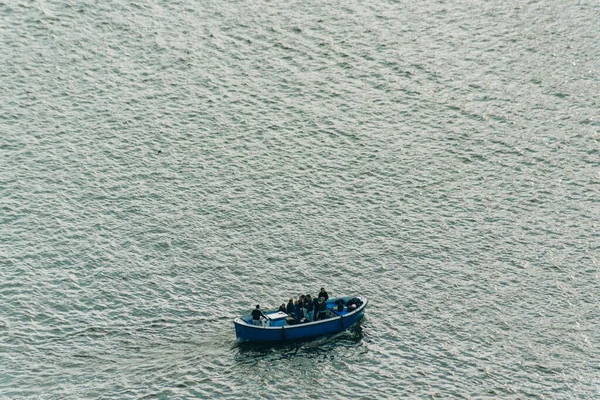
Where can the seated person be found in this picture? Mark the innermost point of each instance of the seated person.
(282, 308)
(340, 305)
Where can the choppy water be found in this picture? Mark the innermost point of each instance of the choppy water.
(166, 165)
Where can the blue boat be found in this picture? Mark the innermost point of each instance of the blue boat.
(279, 328)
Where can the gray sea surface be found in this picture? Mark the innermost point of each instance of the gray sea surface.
(167, 165)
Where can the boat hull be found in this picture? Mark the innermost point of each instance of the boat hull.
(245, 331)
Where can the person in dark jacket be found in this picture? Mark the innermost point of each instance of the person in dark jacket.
(282, 308)
(290, 307)
(298, 311)
(303, 305)
(257, 314)
(310, 308)
(323, 293)
(315, 309)
(321, 310)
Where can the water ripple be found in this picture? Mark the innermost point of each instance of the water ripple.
(163, 167)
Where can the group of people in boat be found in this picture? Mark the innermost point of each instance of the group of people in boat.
(303, 309)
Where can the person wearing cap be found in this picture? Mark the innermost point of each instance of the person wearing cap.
(257, 314)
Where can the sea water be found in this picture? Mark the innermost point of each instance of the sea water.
(167, 165)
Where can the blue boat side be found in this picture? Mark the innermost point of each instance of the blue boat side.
(337, 321)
